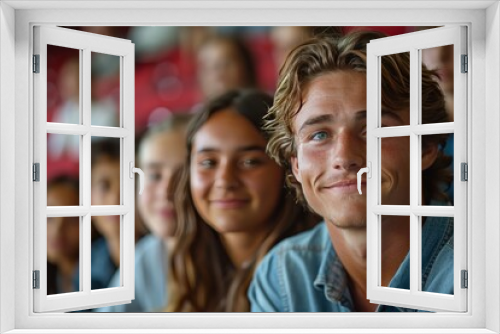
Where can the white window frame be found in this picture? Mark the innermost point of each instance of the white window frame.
(84, 43)
(16, 21)
(413, 44)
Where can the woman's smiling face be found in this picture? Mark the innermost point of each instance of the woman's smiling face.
(235, 186)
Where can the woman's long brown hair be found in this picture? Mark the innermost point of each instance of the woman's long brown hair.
(202, 277)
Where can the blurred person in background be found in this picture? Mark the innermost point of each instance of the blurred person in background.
(105, 190)
(224, 63)
(63, 237)
(153, 42)
(231, 206)
(68, 86)
(161, 151)
(440, 59)
(286, 38)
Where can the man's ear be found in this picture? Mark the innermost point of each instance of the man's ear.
(429, 155)
(295, 168)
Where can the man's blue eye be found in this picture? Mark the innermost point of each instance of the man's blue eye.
(320, 135)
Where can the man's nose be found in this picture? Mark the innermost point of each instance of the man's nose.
(349, 152)
(226, 176)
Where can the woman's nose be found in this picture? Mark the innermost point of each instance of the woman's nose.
(226, 176)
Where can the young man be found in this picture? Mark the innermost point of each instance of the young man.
(319, 135)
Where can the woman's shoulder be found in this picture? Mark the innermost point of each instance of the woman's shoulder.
(149, 247)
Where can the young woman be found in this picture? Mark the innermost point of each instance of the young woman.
(231, 204)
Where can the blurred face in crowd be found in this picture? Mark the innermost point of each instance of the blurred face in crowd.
(69, 80)
(220, 68)
(159, 157)
(235, 186)
(62, 232)
(105, 190)
(441, 60)
(285, 39)
(330, 134)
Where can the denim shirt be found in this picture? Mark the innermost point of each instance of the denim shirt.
(304, 274)
(102, 267)
(150, 278)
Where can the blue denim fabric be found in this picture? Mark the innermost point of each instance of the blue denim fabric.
(102, 267)
(150, 278)
(304, 274)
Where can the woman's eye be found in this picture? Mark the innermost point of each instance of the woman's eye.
(207, 163)
(320, 135)
(154, 176)
(251, 162)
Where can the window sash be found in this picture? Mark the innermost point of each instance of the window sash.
(412, 43)
(86, 43)
(418, 15)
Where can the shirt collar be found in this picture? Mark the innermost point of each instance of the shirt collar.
(331, 277)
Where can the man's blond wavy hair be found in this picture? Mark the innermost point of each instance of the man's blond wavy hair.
(327, 54)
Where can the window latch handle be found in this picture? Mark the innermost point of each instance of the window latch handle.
(141, 176)
(368, 172)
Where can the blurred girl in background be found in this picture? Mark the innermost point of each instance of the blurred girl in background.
(224, 63)
(161, 151)
(231, 204)
(105, 190)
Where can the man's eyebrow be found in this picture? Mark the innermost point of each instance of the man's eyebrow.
(392, 114)
(360, 115)
(325, 118)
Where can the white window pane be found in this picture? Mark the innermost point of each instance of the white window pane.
(63, 254)
(63, 85)
(431, 262)
(395, 171)
(106, 252)
(63, 170)
(105, 171)
(395, 97)
(105, 81)
(440, 60)
(395, 253)
(437, 169)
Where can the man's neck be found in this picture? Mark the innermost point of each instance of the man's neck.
(350, 246)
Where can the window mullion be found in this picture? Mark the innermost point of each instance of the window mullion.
(415, 163)
(67, 129)
(85, 168)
